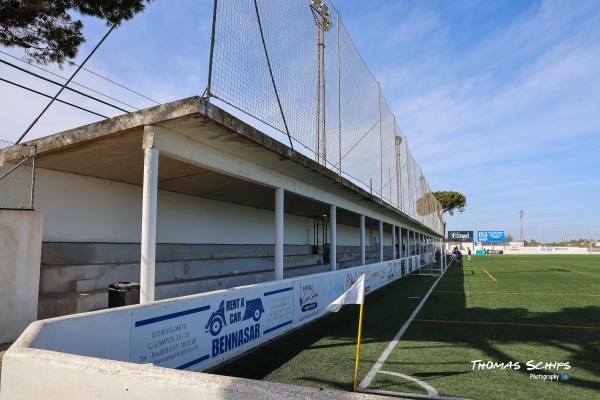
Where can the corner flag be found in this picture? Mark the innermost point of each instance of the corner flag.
(354, 295)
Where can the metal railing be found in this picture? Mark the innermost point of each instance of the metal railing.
(292, 66)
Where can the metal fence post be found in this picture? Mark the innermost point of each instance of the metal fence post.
(33, 176)
(380, 145)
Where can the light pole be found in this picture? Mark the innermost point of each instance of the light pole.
(323, 21)
(543, 239)
(398, 171)
(521, 231)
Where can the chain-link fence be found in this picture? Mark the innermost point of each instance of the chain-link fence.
(279, 63)
(17, 176)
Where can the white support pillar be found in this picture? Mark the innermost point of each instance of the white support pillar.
(393, 242)
(333, 244)
(380, 241)
(438, 247)
(148, 244)
(400, 240)
(415, 243)
(420, 246)
(362, 240)
(279, 205)
(443, 250)
(421, 249)
(429, 244)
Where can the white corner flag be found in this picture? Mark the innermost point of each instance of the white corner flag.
(354, 295)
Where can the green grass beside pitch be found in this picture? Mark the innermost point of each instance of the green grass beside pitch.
(523, 308)
(322, 354)
(536, 309)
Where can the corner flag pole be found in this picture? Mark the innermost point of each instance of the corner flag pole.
(360, 318)
(354, 295)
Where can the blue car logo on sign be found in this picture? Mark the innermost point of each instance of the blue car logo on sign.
(254, 309)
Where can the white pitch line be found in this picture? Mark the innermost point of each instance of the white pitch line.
(411, 396)
(379, 364)
(431, 392)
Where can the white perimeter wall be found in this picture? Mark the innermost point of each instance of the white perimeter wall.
(83, 209)
(20, 250)
(144, 351)
(548, 250)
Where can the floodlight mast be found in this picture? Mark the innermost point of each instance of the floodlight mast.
(422, 186)
(322, 18)
(521, 230)
(398, 142)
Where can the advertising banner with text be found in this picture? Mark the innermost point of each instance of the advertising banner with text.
(460, 236)
(490, 236)
(197, 332)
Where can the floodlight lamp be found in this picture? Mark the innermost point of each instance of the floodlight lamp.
(328, 25)
(399, 139)
(323, 10)
(315, 4)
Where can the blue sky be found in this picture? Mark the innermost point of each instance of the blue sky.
(499, 100)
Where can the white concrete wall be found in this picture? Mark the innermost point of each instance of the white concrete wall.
(350, 235)
(507, 249)
(42, 374)
(84, 209)
(20, 251)
(547, 250)
(84, 356)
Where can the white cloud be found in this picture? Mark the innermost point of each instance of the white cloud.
(498, 104)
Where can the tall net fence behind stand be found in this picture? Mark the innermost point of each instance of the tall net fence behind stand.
(296, 69)
(17, 176)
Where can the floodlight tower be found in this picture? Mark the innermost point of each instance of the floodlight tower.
(423, 210)
(521, 232)
(398, 170)
(323, 21)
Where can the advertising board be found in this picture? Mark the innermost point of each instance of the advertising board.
(490, 236)
(196, 332)
(460, 236)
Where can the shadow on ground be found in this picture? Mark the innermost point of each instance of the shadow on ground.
(322, 353)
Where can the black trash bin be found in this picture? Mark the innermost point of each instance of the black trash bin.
(123, 294)
(326, 254)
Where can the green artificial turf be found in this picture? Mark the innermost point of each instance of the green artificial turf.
(540, 308)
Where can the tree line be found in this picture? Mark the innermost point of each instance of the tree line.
(570, 243)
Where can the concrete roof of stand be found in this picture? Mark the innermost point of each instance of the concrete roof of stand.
(112, 149)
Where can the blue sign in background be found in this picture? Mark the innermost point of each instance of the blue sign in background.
(490, 236)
